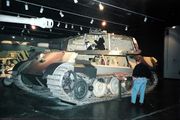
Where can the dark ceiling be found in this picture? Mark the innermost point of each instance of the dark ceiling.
(117, 13)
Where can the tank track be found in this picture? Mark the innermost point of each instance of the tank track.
(79, 89)
(75, 88)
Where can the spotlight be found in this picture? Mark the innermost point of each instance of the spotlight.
(2, 28)
(58, 24)
(28, 31)
(92, 21)
(66, 25)
(26, 6)
(145, 19)
(7, 3)
(126, 28)
(81, 28)
(75, 1)
(61, 14)
(41, 9)
(22, 31)
(173, 27)
(50, 30)
(104, 23)
(101, 7)
(25, 26)
(33, 27)
(72, 26)
(13, 37)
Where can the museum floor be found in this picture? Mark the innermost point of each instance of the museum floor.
(162, 104)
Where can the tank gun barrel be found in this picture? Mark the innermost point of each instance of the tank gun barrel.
(41, 22)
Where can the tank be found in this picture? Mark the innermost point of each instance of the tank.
(9, 59)
(92, 68)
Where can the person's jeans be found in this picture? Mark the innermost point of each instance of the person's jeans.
(139, 85)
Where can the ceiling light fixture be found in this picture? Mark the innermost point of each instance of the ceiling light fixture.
(173, 27)
(28, 31)
(127, 10)
(13, 37)
(2, 28)
(101, 7)
(26, 7)
(72, 26)
(22, 31)
(58, 24)
(41, 9)
(25, 26)
(61, 14)
(75, 14)
(75, 1)
(81, 28)
(92, 21)
(33, 27)
(145, 19)
(7, 3)
(66, 25)
(126, 28)
(103, 23)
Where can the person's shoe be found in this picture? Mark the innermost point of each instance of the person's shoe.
(133, 104)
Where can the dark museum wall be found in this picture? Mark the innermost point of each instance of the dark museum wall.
(151, 42)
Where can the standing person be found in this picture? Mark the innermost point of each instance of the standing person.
(100, 44)
(141, 74)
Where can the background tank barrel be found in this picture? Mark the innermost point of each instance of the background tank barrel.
(35, 44)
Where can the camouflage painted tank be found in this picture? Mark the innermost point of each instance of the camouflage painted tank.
(92, 68)
(9, 59)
